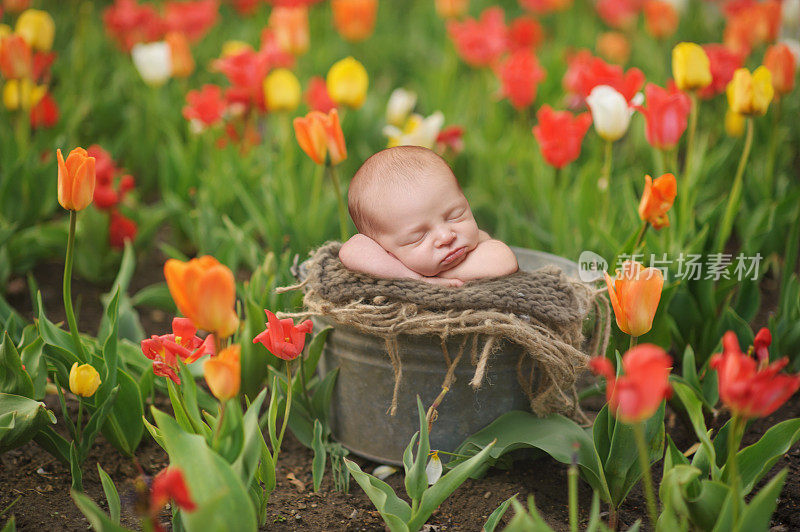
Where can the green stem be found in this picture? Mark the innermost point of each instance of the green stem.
(639, 237)
(339, 202)
(605, 177)
(633, 342)
(736, 192)
(660, 165)
(67, 292)
(182, 402)
(644, 461)
(80, 420)
(572, 480)
(732, 470)
(218, 432)
(316, 190)
(690, 138)
(773, 146)
(286, 412)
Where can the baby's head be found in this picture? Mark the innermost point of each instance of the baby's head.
(408, 200)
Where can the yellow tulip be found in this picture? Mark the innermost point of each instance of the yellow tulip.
(347, 82)
(690, 66)
(83, 380)
(230, 48)
(22, 93)
(749, 95)
(37, 28)
(282, 90)
(734, 123)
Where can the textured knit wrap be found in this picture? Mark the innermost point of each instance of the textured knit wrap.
(543, 311)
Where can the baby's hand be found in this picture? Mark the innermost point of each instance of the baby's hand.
(453, 283)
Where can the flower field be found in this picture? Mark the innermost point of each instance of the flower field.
(165, 166)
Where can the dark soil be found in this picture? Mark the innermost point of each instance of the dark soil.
(38, 485)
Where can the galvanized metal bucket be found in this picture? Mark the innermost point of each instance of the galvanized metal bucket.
(363, 392)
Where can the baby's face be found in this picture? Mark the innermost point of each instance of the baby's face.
(429, 226)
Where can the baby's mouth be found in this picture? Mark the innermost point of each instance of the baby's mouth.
(454, 255)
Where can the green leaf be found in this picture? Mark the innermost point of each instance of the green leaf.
(123, 427)
(394, 511)
(10, 526)
(13, 379)
(110, 356)
(436, 494)
(222, 500)
(53, 443)
(416, 480)
(35, 365)
(155, 295)
(97, 518)
(554, 435)
(246, 463)
(318, 464)
(527, 522)
(672, 495)
(21, 419)
(314, 352)
(692, 403)
(96, 420)
(323, 392)
(756, 460)
(757, 514)
(497, 514)
(60, 341)
(75, 463)
(112, 497)
(705, 508)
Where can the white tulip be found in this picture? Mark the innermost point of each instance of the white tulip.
(434, 469)
(418, 131)
(153, 61)
(610, 112)
(383, 472)
(401, 102)
(790, 13)
(679, 5)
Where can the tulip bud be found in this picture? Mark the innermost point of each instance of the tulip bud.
(610, 112)
(401, 102)
(282, 90)
(76, 179)
(153, 61)
(348, 82)
(614, 46)
(319, 135)
(750, 95)
(83, 380)
(354, 19)
(290, 25)
(634, 294)
(690, 66)
(223, 373)
(657, 199)
(37, 28)
(180, 54)
(22, 93)
(780, 61)
(734, 123)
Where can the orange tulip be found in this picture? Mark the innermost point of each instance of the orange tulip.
(205, 292)
(779, 59)
(319, 134)
(635, 294)
(290, 26)
(657, 199)
(354, 19)
(223, 373)
(76, 179)
(451, 8)
(614, 46)
(661, 18)
(180, 53)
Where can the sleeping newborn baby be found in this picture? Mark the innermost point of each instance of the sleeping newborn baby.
(414, 222)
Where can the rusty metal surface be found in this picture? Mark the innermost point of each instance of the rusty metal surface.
(363, 391)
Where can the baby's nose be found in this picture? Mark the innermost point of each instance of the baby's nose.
(445, 236)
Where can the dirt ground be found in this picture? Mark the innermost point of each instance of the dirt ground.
(37, 486)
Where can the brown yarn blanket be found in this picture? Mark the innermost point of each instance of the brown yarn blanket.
(543, 311)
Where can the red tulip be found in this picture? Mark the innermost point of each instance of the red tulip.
(104, 165)
(183, 344)
(524, 33)
(283, 338)
(520, 74)
(636, 395)
(585, 72)
(723, 62)
(45, 113)
(245, 7)
(191, 18)
(42, 61)
(120, 229)
(450, 138)
(480, 42)
(560, 135)
(129, 23)
(619, 14)
(657, 200)
(170, 484)
(748, 388)
(205, 108)
(761, 344)
(16, 57)
(245, 72)
(667, 114)
(780, 61)
(317, 97)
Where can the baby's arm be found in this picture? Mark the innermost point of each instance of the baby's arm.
(363, 254)
(491, 258)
